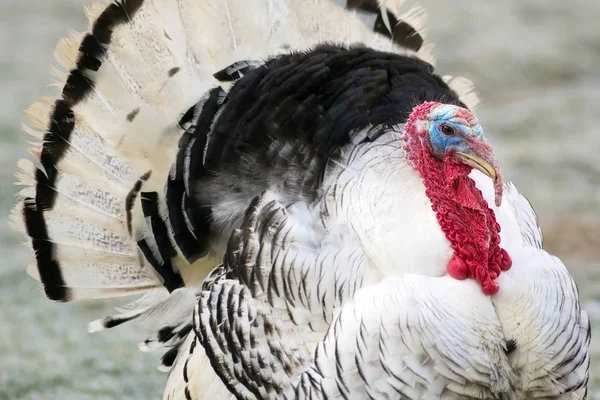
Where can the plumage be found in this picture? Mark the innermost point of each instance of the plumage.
(309, 209)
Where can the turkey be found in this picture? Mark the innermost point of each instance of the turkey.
(307, 209)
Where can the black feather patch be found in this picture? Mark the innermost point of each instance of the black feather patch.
(281, 123)
(132, 196)
(169, 357)
(183, 332)
(149, 256)
(182, 235)
(48, 267)
(371, 6)
(187, 117)
(511, 345)
(191, 238)
(185, 372)
(176, 199)
(56, 141)
(400, 32)
(165, 334)
(236, 70)
(56, 144)
(111, 322)
(171, 278)
(193, 244)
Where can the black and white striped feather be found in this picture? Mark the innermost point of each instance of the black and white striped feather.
(281, 274)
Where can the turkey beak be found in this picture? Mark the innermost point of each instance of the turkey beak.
(481, 157)
(479, 163)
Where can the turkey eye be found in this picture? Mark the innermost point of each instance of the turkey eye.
(447, 130)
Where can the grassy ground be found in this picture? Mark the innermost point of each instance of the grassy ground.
(535, 65)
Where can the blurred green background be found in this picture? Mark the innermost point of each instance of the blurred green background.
(536, 65)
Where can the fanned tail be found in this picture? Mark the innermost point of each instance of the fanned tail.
(94, 207)
(104, 202)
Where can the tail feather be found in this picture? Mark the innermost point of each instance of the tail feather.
(126, 85)
(95, 276)
(167, 314)
(154, 310)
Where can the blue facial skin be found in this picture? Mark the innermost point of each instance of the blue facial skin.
(445, 121)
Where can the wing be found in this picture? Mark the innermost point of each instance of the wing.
(283, 278)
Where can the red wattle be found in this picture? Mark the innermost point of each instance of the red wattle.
(506, 262)
(490, 287)
(457, 268)
(463, 214)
